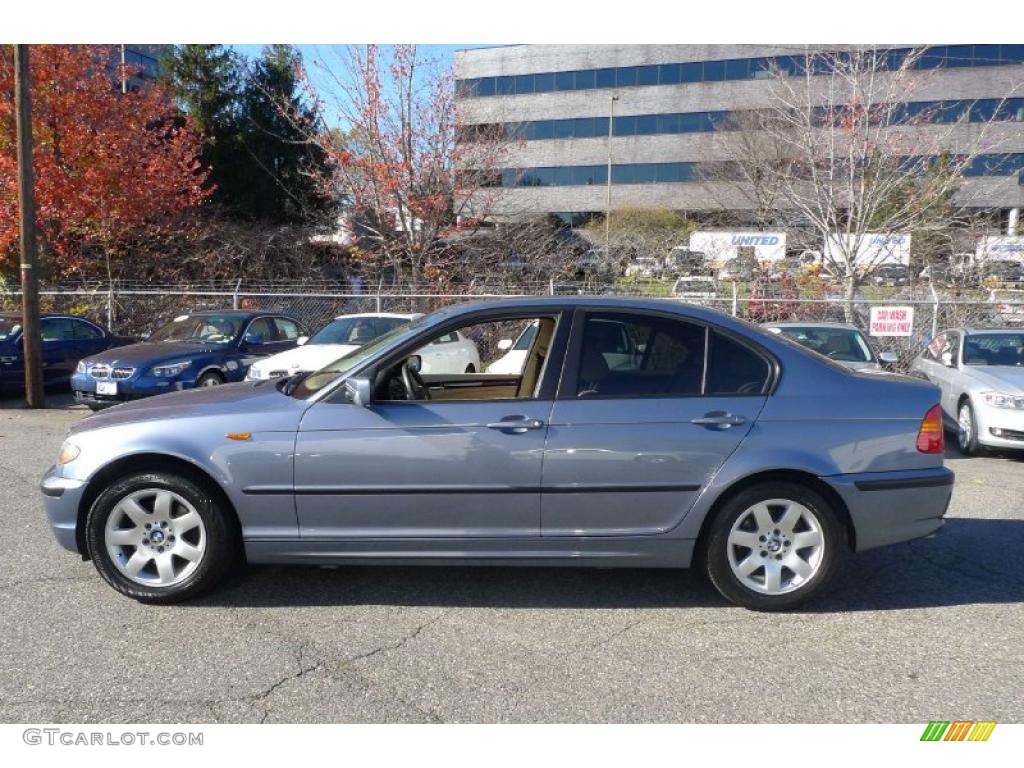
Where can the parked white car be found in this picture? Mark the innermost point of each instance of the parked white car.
(644, 266)
(846, 344)
(695, 290)
(511, 363)
(1008, 305)
(981, 375)
(452, 353)
(332, 342)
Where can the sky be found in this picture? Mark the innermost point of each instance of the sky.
(329, 54)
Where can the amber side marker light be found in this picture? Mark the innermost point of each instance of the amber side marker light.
(248, 436)
(931, 435)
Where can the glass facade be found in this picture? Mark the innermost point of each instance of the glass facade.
(924, 112)
(934, 57)
(675, 173)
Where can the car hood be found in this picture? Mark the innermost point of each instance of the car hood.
(153, 352)
(1000, 377)
(263, 407)
(310, 357)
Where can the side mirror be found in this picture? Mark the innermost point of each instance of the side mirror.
(301, 340)
(889, 358)
(358, 391)
(505, 345)
(415, 363)
(947, 359)
(252, 339)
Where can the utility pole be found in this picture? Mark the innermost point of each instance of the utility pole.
(30, 333)
(608, 196)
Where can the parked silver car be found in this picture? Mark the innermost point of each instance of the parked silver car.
(981, 375)
(638, 433)
(846, 344)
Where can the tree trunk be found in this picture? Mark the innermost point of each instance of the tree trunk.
(850, 286)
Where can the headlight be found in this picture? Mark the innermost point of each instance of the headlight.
(170, 370)
(1003, 400)
(80, 368)
(68, 453)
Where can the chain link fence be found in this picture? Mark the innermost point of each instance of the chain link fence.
(134, 309)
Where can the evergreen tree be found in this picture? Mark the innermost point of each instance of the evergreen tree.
(252, 118)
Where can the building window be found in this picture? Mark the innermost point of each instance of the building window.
(934, 57)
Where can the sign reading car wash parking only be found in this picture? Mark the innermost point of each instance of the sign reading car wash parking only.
(891, 321)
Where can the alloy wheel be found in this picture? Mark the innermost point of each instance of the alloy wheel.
(155, 537)
(776, 546)
(965, 427)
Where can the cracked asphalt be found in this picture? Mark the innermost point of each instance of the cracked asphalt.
(933, 629)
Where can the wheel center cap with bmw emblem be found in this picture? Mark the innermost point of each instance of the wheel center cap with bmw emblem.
(157, 536)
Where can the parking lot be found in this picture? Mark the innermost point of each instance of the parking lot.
(921, 631)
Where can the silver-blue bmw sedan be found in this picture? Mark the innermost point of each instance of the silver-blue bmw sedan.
(635, 432)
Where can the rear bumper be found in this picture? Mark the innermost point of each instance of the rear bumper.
(61, 498)
(890, 507)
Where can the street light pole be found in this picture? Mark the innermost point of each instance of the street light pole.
(30, 333)
(608, 193)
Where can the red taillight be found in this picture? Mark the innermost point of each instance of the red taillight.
(931, 436)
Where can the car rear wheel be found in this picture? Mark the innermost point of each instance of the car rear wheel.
(159, 538)
(967, 430)
(774, 546)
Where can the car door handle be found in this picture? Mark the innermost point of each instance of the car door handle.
(719, 419)
(516, 424)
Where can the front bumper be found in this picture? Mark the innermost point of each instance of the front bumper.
(999, 427)
(62, 498)
(84, 388)
(890, 507)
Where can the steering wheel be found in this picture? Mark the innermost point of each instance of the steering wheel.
(415, 389)
(750, 388)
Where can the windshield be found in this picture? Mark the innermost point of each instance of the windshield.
(207, 329)
(317, 380)
(525, 340)
(9, 328)
(355, 330)
(841, 344)
(994, 349)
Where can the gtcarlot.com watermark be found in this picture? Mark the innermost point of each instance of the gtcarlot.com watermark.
(70, 737)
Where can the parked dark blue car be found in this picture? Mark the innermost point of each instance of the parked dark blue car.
(200, 349)
(66, 340)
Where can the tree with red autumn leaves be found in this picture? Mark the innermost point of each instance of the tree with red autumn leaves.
(106, 162)
(403, 177)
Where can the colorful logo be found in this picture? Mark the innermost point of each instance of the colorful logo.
(958, 730)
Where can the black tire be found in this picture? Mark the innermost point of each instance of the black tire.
(972, 446)
(470, 368)
(715, 552)
(221, 543)
(209, 379)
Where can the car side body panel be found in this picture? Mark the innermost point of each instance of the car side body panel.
(841, 428)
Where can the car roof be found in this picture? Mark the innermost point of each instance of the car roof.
(399, 315)
(815, 324)
(17, 316)
(241, 314)
(987, 330)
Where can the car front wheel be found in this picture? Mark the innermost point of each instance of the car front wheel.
(774, 546)
(159, 537)
(967, 430)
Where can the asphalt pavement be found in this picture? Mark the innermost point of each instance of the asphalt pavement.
(929, 630)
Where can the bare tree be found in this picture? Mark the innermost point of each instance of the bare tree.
(403, 175)
(865, 156)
